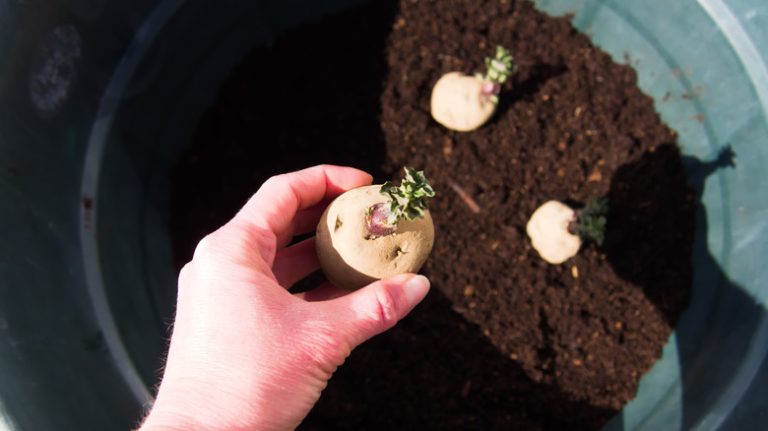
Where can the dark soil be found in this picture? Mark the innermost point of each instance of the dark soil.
(504, 340)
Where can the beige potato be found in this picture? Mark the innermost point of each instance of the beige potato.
(548, 230)
(351, 259)
(458, 102)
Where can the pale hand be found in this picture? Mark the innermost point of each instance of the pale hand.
(245, 352)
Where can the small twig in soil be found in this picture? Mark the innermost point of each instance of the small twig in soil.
(466, 388)
(473, 206)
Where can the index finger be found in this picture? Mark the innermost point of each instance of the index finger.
(276, 203)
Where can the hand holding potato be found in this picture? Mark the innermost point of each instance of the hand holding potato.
(245, 352)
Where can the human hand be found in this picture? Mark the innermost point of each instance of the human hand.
(245, 352)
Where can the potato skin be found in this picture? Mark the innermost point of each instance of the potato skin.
(457, 102)
(548, 230)
(351, 259)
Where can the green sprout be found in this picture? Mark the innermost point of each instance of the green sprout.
(591, 220)
(499, 68)
(409, 199)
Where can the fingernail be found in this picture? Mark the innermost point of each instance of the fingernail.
(416, 289)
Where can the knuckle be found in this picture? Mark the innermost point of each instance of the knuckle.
(236, 243)
(189, 278)
(206, 247)
(385, 311)
(274, 180)
(253, 240)
(185, 275)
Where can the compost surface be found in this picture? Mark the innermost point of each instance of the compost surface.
(504, 340)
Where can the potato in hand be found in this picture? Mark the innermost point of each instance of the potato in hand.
(377, 231)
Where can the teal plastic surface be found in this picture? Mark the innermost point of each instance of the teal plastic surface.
(98, 98)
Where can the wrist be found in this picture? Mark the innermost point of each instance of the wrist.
(173, 416)
(198, 410)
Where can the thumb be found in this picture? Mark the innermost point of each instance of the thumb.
(377, 307)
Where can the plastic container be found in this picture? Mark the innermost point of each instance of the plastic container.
(98, 98)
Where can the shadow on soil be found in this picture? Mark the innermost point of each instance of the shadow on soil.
(266, 120)
(419, 376)
(649, 235)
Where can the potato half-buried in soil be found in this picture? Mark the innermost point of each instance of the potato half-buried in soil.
(350, 258)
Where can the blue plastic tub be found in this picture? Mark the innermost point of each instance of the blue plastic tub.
(98, 98)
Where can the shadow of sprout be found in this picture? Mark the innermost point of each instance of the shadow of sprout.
(526, 84)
